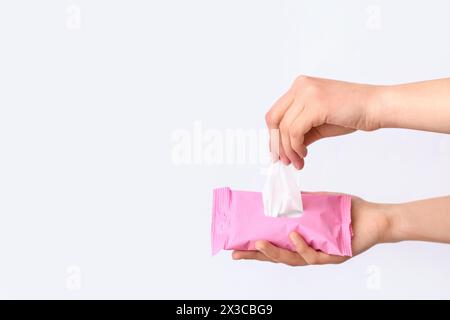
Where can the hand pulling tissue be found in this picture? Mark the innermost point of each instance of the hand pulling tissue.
(281, 193)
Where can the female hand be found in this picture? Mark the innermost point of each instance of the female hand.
(371, 225)
(316, 108)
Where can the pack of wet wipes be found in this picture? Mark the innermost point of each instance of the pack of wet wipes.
(238, 221)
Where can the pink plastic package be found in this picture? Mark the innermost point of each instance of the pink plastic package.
(238, 221)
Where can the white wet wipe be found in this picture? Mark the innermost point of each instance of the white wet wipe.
(281, 192)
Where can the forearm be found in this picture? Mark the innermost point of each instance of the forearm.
(421, 106)
(424, 220)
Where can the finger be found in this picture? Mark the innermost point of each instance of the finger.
(276, 112)
(285, 127)
(279, 255)
(301, 164)
(311, 136)
(273, 119)
(250, 255)
(310, 255)
(283, 156)
(303, 249)
(276, 148)
(291, 155)
(274, 144)
(299, 148)
(303, 123)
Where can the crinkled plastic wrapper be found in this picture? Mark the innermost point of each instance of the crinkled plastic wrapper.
(238, 221)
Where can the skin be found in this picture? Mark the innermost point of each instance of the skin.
(425, 220)
(313, 109)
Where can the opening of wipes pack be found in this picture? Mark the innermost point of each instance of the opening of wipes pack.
(240, 218)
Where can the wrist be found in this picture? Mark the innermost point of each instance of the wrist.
(394, 226)
(377, 108)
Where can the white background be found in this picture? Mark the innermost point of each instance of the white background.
(91, 202)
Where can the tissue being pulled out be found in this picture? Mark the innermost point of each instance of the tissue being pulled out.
(281, 193)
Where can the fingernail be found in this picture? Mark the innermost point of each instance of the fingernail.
(302, 165)
(293, 236)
